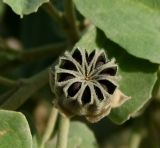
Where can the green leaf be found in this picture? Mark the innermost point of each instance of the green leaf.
(133, 24)
(14, 130)
(22, 7)
(81, 136)
(138, 75)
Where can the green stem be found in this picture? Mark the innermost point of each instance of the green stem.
(43, 52)
(53, 11)
(156, 90)
(71, 20)
(25, 90)
(63, 132)
(135, 140)
(6, 82)
(30, 55)
(68, 18)
(50, 127)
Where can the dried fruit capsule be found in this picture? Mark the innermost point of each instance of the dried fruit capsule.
(86, 84)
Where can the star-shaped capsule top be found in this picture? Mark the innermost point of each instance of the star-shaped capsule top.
(85, 83)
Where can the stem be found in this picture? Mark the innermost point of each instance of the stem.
(153, 133)
(43, 52)
(25, 90)
(71, 20)
(6, 81)
(156, 90)
(29, 55)
(50, 127)
(53, 11)
(68, 18)
(135, 140)
(63, 132)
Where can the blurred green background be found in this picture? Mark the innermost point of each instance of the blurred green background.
(39, 29)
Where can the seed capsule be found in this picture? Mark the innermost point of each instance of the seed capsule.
(85, 84)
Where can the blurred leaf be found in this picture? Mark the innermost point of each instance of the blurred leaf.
(120, 139)
(138, 76)
(22, 7)
(133, 24)
(80, 136)
(14, 130)
(1, 9)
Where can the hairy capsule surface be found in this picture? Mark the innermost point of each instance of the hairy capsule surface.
(86, 84)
